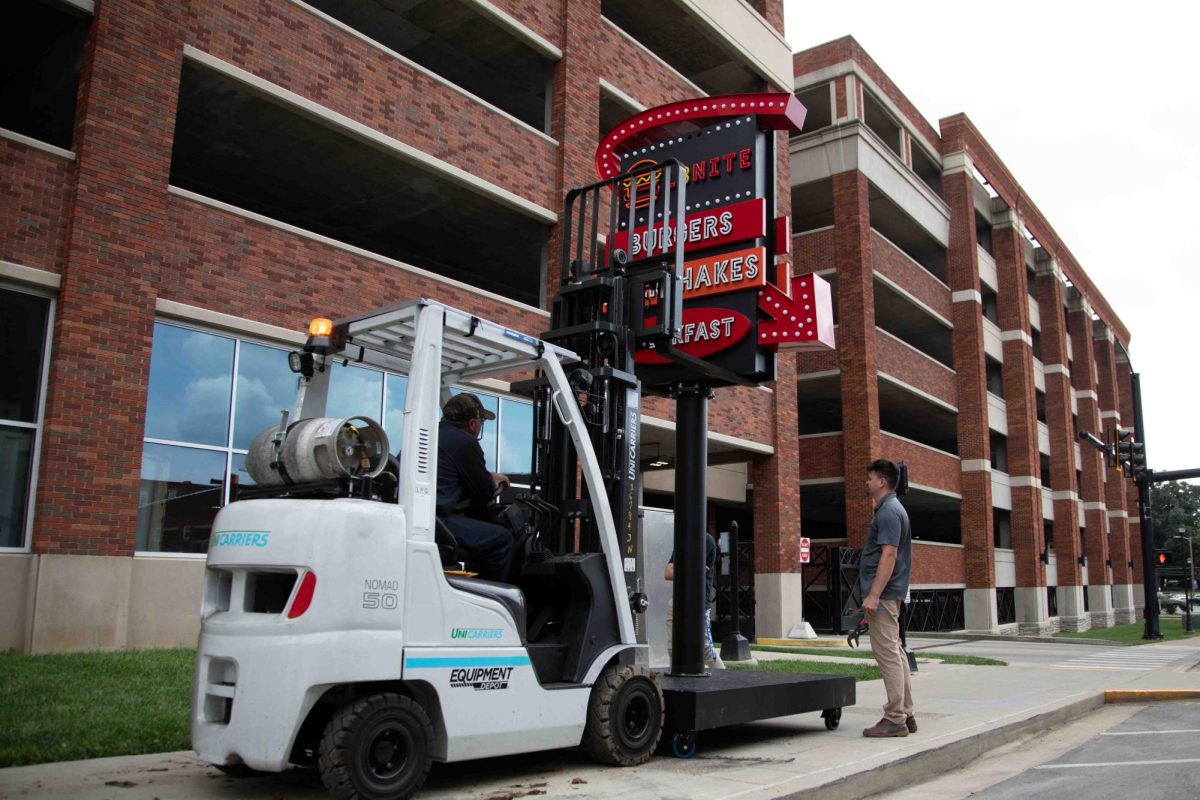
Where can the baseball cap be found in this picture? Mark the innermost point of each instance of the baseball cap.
(463, 407)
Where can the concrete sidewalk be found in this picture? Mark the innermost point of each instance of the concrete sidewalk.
(962, 711)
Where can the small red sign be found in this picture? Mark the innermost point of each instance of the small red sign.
(705, 331)
(735, 223)
(805, 550)
(725, 272)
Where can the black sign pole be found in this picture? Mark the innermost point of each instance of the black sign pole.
(1149, 571)
(691, 500)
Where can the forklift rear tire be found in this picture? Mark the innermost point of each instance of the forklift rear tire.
(376, 747)
(625, 716)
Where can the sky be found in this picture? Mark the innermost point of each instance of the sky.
(1094, 108)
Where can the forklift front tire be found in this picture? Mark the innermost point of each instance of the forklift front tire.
(625, 716)
(376, 748)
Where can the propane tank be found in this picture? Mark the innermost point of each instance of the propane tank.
(318, 449)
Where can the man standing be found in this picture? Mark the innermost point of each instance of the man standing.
(465, 486)
(711, 658)
(883, 580)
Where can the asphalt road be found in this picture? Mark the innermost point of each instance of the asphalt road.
(1153, 755)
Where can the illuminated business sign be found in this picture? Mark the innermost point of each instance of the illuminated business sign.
(739, 305)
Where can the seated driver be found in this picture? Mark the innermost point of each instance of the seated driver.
(465, 487)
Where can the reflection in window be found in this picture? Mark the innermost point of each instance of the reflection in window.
(194, 404)
(191, 381)
(266, 387)
(181, 489)
(393, 410)
(354, 391)
(516, 437)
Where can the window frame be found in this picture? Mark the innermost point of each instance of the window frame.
(39, 425)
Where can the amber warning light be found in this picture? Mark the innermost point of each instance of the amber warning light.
(320, 327)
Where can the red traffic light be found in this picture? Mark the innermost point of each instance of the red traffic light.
(1163, 558)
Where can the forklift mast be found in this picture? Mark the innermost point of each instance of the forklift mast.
(604, 312)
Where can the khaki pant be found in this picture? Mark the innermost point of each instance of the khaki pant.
(893, 663)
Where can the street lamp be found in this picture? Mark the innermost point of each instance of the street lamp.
(1191, 579)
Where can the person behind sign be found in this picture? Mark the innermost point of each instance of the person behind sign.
(883, 580)
(466, 488)
(711, 659)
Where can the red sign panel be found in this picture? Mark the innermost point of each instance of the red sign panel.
(725, 272)
(735, 223)
(705, 331)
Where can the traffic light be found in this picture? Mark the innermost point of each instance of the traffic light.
(1124, 449)
(1137, 458)
(1163, 558)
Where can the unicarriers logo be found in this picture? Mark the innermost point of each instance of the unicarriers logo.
(481, 679)
(476, 633)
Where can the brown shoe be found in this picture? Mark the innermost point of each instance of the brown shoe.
(885, 728)
(910, 722)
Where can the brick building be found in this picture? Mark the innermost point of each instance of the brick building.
(972, 345)
(183, 185)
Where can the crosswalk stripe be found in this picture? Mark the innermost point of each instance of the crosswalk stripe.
(1124, 659)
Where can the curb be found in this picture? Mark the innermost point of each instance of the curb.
(1144, 695)
(917, 768)
(996, 637)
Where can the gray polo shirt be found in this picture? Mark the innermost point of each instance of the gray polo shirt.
(889, 526)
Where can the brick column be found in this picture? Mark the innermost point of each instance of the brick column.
(1125, 397)
(1095, 544)
(95, 412)
(1114, 480)
(778, 591)
(1064, 491)
(1023, 456)
(973, 447)
(861, 441)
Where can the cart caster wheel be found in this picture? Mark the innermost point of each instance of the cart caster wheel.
(833, 718)
(684, 745)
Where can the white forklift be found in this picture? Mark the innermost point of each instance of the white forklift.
(341, 626)
(337, 628)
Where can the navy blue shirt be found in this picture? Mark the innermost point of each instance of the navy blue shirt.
(890, 526)
(462, 471)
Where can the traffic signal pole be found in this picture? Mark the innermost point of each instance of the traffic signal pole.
(1143, 479)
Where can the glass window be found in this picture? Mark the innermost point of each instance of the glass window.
(24, 323)
(393, 410)
(23, 331)
(266, 387)
(516, 437)
(354, 391)
(191, 384)
(211, 395)
(16, 454)
(181, 489)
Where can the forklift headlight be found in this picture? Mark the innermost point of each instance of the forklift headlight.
(301, 363)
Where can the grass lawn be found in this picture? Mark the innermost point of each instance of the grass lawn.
(1171, 626)
(860, 672)
(91, 705)
(978, 661)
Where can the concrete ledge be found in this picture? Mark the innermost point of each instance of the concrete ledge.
(764, 641)
(917, 768)
(1145, 695)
